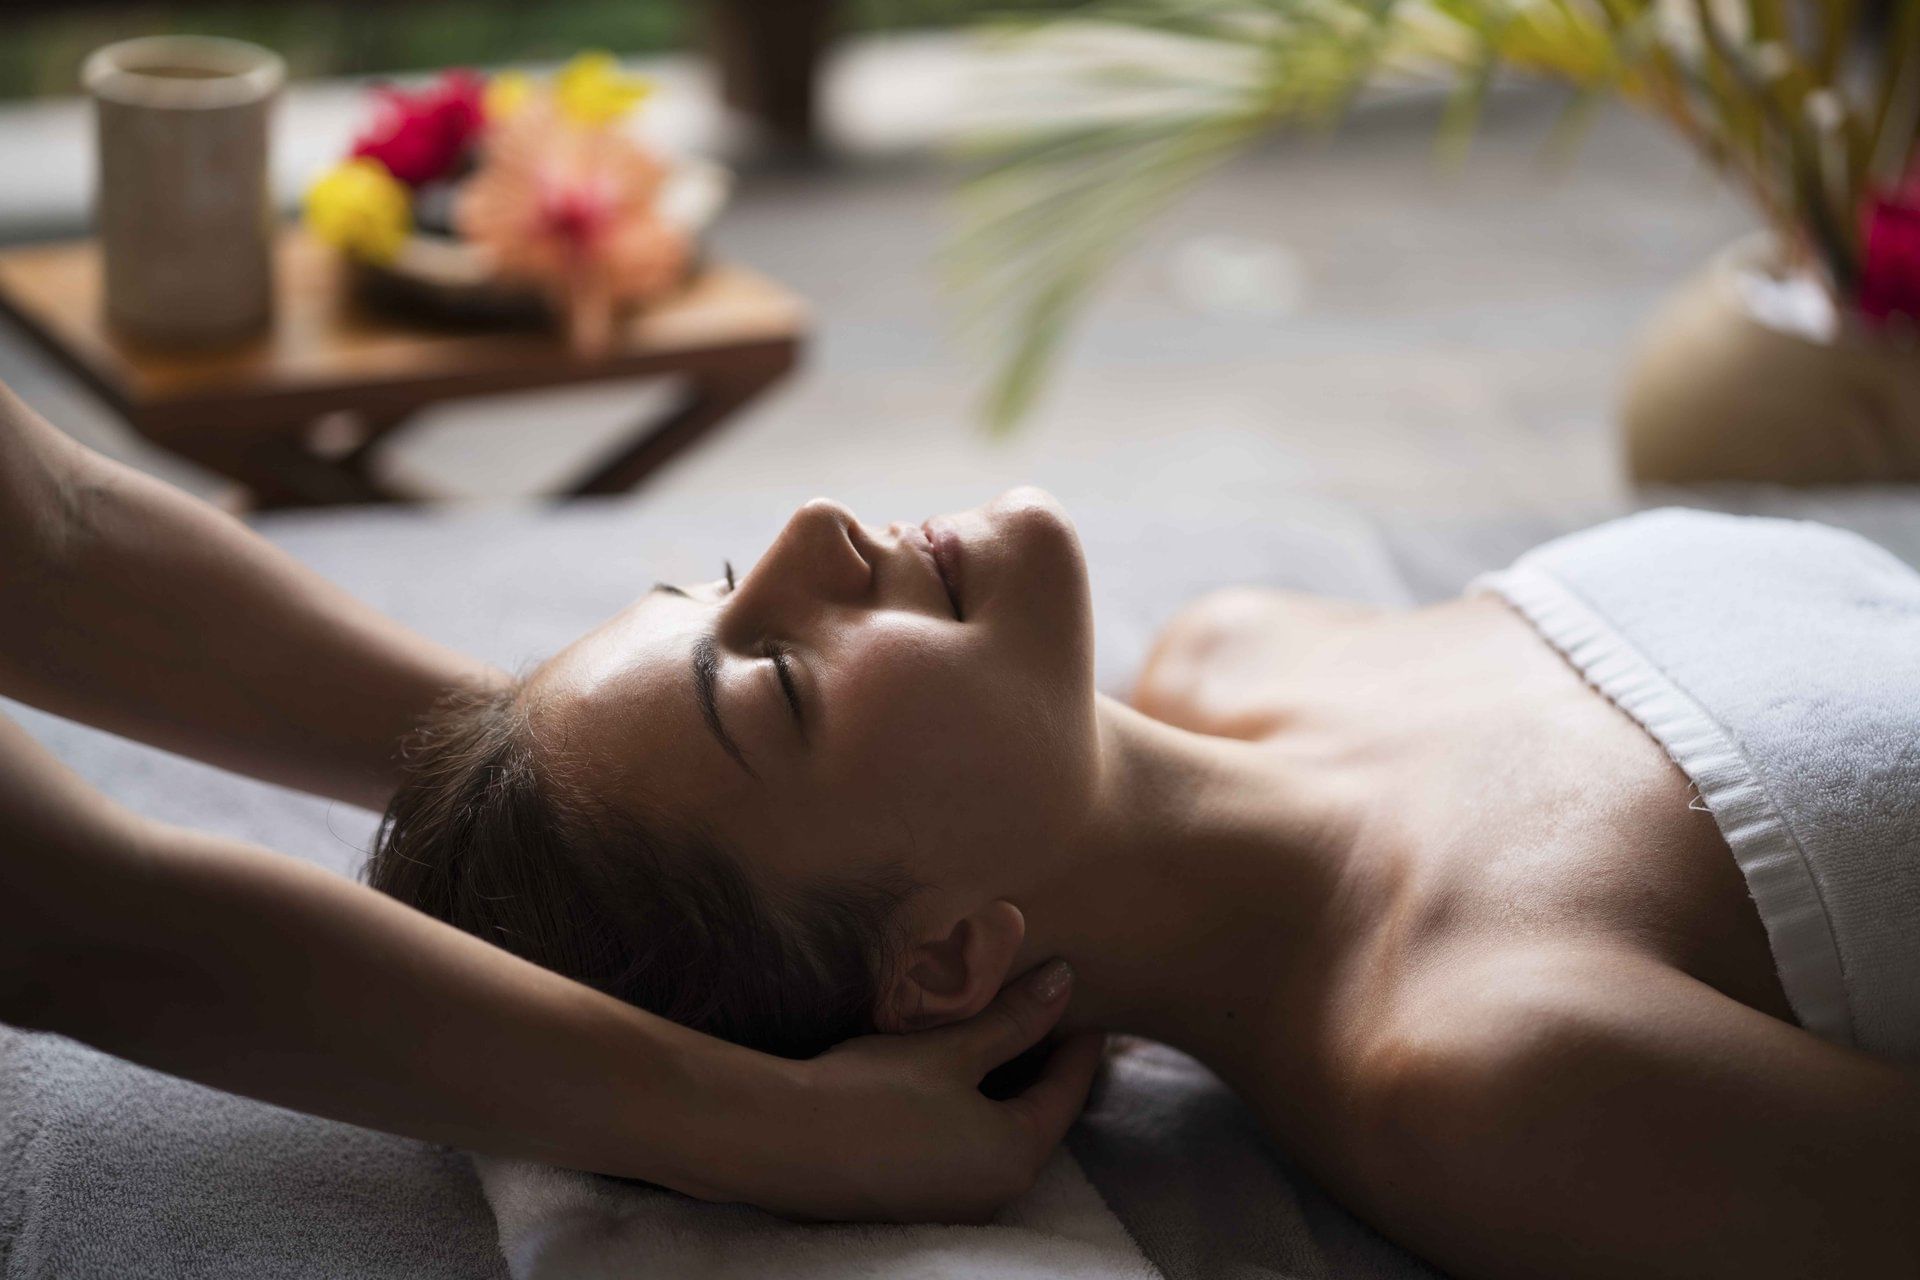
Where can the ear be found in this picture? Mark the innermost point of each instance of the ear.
(951, 977)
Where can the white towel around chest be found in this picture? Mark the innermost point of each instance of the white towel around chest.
(1778, 662)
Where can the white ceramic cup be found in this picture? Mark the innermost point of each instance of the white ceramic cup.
(184, 210)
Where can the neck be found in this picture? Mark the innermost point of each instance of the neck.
(1195, 905)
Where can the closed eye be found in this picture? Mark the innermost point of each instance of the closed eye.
(775, 651)
(781, 657)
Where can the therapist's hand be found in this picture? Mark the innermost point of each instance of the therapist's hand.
(894, 1128)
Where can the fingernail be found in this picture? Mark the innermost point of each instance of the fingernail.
(1053, 981)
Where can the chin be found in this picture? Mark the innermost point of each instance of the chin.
(1041, 577)
(1024, 545)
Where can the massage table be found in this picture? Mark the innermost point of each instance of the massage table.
(108, 1169)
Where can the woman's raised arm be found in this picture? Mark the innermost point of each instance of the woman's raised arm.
(129, 605)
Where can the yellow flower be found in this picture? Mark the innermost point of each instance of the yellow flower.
(592, 90)
(360, 209)
(507, 93)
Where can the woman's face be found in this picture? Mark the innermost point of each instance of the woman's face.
(913, 695)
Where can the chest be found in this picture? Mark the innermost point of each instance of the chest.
(1519, 807)
(1507, 802)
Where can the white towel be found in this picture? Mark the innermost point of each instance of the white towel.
(1778, 662)
(559, 1225)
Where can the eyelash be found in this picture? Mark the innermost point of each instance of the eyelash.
(774, 651)
(777, 652)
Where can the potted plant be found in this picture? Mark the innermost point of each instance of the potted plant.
(1793, 356)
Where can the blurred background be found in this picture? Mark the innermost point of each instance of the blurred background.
(1337, 312)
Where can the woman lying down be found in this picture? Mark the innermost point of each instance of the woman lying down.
(1568, 928)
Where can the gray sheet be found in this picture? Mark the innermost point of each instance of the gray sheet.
(107, 1169)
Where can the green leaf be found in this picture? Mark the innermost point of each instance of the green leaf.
(1170, 89)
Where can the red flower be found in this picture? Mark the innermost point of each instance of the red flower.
(1890, 273)
(423, 136)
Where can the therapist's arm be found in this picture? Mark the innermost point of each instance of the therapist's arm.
(129, 605)
(259, 974)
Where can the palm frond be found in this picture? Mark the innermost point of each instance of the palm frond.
(1107, 117)
(1150, 105)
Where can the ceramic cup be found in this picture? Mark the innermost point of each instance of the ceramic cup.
(184, 211)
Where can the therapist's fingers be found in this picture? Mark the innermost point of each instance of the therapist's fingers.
(1018, 1019)
(1052, 1102)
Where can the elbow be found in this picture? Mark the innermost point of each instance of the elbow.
(49, 507)
(56, 508)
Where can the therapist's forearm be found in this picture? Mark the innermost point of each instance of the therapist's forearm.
(258, 974)
(134, 607)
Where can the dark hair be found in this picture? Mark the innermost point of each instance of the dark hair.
(487, 835)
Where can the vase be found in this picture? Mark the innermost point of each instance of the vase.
(184, 211)
(1750, 373)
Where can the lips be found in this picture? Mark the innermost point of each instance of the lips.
(945, 546)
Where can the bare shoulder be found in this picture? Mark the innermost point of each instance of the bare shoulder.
(1577, 1110)
(1482, 1024)
(1222, 664)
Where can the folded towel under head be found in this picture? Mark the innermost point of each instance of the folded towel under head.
(559, 1225)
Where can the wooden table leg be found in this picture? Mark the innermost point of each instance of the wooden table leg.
(710, 400)
(280, 469)
(357, 460)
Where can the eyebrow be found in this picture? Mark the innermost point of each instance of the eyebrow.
(706, 670)
(706, 673)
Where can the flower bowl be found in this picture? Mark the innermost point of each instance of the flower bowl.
(438, 278)
(511, 199)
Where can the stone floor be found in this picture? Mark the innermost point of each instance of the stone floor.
(1447, 338)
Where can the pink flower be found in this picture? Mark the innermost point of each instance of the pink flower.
(572, 211)
(1890, 270)
(423, 136)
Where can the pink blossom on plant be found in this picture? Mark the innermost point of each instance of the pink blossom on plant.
(422, 136)
(1890, 267)
(573, 211)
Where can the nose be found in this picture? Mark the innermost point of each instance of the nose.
(816, 559)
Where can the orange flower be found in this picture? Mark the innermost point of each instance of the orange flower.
(573, 211)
